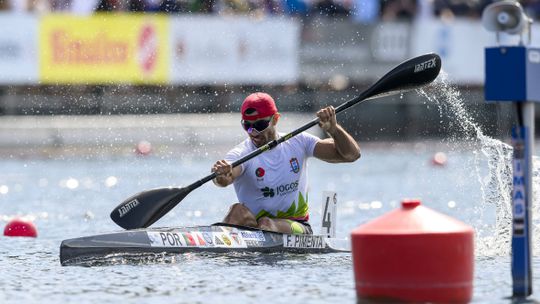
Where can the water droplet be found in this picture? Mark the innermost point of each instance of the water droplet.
(111, 181)
(4, 189)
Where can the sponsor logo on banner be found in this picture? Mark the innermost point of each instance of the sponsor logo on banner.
(303, 241)
(295, 166)
(123, 49)
(166, 239)
(253, 235)
(99, 49)
(148, 48)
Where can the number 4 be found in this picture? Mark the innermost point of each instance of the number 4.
(328, 226)
(327, 221)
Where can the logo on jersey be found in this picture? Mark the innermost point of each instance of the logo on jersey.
(267, 192)
(295, 166)
(280, 190)
(259, 172)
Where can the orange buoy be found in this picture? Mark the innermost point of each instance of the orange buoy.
(20, 227)
(414, 254)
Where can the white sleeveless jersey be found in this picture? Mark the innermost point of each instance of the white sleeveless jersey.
(274, 184)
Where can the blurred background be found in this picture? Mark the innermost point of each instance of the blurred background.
(74, 71)
(86, 83)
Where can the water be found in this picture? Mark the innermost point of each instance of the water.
(366, 189)
(72, 197)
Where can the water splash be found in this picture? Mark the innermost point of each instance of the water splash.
(495, 178)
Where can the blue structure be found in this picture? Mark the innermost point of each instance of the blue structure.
(513, 75)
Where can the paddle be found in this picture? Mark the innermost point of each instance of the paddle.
(143, 209)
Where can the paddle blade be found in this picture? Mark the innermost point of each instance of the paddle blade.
(144, 208)
(411, 74)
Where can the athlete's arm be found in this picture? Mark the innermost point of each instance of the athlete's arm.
(341, 146)
(226, 173)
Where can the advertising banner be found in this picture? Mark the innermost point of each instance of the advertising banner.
(461, 44)
(237, 50)
(103, 49)
(339, 51)
(234, 50)
(18, 49)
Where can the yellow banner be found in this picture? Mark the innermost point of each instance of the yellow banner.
(104, 49)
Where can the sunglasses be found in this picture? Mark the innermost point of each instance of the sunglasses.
(259, 125)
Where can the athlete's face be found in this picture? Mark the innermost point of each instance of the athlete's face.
(261, 131)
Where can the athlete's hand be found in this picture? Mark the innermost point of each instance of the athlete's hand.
(327, 119)
(222, 168)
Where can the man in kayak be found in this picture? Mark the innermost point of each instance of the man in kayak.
(272, 187)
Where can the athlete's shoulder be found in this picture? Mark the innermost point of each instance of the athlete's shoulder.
(306, 142)
(246, 144)
(305, 138)
(308, 136)
(242, 148)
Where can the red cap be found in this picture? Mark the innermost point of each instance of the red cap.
(262, 105)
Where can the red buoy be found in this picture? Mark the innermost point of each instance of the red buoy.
(439, 159)
(143, 148)
(414, 254)
(20, 227)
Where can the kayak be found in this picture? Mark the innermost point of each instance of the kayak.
(219, 238)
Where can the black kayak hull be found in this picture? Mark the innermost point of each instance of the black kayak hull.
(218, 238)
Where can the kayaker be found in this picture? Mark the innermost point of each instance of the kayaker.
(272, 187)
